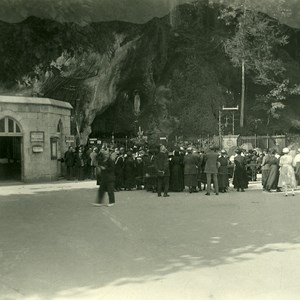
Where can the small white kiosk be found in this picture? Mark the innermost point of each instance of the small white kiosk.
(33, 134)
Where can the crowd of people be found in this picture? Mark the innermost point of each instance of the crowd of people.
(160, 171)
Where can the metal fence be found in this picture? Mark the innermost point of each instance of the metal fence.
(277, 142)
(263, 141)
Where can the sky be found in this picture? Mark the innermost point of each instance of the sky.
(135, 11)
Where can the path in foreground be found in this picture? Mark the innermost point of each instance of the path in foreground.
(55, 245)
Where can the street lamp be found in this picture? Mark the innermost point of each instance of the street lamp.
(231, 109)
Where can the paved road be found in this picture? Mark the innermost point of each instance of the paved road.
(55, 245)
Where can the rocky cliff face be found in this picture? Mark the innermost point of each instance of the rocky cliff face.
(179, 69)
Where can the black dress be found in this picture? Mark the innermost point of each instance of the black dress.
(129, 172)
(176, 174)
(240, 178)
(223, 174)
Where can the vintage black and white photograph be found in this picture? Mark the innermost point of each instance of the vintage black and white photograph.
(149, 149)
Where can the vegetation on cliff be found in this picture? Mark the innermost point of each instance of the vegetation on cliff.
(182, 72)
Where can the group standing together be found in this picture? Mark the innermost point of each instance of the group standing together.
(157, 170)
(281, 172)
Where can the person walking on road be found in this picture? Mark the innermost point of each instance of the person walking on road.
(106, 179)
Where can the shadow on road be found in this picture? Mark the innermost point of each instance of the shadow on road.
(56, 246)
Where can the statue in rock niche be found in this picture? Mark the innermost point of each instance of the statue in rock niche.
(137, 103)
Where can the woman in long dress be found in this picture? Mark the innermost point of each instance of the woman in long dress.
(223, 172)
(287, 175)
(265, 168)
(273, 176)
(240, 179)
(176, 179)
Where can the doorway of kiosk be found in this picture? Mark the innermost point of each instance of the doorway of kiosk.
(10, 158)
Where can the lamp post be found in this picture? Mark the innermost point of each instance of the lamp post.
(230, 109)
(233, 110)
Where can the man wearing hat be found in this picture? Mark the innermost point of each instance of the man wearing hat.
(161, 164)
(211, 169)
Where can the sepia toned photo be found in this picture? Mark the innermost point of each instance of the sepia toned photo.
(149, 149)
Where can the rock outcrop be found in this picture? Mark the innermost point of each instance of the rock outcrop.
(176, 63)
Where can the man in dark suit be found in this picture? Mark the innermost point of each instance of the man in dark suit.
(106, 180)
(161, 164)
(69, 159)
(211, 169)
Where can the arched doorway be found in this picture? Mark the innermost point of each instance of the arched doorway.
(10, 149)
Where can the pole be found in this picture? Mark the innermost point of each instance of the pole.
(220, 129)
(243, 95)
(233, 122)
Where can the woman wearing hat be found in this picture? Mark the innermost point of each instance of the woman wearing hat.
(223, 172)
(176, 174)
(272, 180)
(240, 178)
(287, 175)
(190, 162)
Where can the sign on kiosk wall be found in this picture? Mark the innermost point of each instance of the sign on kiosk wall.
(37, 136)
(70, 139)
(37, 149)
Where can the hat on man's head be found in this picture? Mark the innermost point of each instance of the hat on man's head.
(238, 151)
(163, 148)
(223, 151)
(285, 150)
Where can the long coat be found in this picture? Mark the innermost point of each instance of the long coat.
(176, 179)
(211, 165)
(223, 172)
(107, 173)
(69, 158)
(240, 178)
(161, 163)
(190, 162)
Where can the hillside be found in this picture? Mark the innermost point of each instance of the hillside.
(181, 72)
